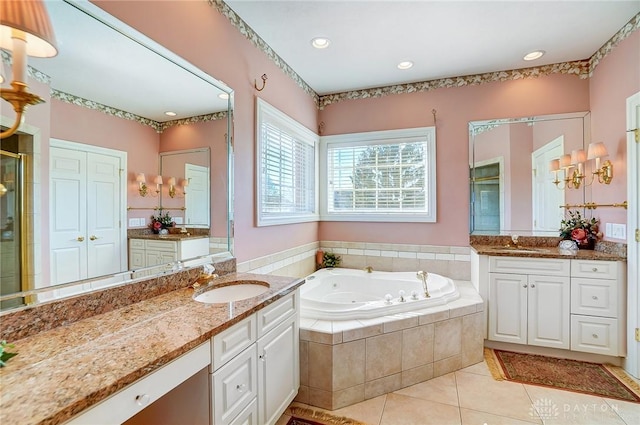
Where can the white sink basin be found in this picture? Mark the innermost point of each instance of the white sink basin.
(234, 292)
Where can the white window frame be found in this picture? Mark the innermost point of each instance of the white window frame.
(427, 134)
(268, 113)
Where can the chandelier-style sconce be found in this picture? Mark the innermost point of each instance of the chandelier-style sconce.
(573, 167)
(172, 187)
(142, 184)
(143, 189)
(25, 30)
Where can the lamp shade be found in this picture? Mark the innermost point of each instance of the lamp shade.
(578, 156)
(597, 150)
(171, 181)
(158, 180)
(28, 20)
(185, 183)
(565, 161)
(554, 165)
(140, 178)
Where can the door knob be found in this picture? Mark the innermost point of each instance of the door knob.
(533, 285)
(93, 237)
(80, 238)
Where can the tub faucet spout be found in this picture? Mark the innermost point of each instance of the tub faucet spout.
(422, 275)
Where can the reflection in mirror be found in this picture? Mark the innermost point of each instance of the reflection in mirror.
(106, 92)
(512, 188)
(187, 176)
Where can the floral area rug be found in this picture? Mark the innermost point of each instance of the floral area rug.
(572, 375)
(304, 416)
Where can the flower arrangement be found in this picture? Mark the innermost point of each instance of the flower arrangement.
(5, 355)
(329, 259)
(580, 229)
(161, 221)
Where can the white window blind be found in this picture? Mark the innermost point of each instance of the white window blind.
(380, 176)
(286, 169)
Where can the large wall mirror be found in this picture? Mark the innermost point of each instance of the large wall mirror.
(511, 185)
(111, 88)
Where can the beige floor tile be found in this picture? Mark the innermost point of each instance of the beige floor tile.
(559, 407)
(473, 417)
(441, 390)
(403, 410)
(502, 398)
(478, 368)
(368, 411)
(629, 412)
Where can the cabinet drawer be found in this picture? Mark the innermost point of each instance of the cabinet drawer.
(131, 400)
(595, 297)
(228, 343)
(594, 335)
(136, 243)
(273, 314)
(249, 416)
(537, 266)
(169, 246)
(594, 269)
(234, 386)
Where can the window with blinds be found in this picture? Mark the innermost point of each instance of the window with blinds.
(380, 176)
(286, 171)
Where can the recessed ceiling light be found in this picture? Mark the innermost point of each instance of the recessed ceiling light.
(405, 65)
(320, 42)
(170, 114)
(224, 96)
(536, 54)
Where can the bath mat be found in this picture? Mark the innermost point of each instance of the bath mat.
(572, 375)
(304, 416)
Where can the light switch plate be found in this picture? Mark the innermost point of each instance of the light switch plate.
(134, 222)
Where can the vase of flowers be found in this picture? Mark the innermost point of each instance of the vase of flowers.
(580, 229)
(161, 221)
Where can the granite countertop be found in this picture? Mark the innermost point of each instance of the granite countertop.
(63, 371)
(545, 252)
(168, 237)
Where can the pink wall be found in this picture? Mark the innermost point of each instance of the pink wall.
(520, 190)
(613, 81)
(455, 108)
(198, 33)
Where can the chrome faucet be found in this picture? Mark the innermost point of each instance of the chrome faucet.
(368, 269)
(422, 275)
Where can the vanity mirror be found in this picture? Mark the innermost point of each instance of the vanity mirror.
(108, 72)
(512, 189)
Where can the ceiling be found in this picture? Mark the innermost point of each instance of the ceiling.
(442, 38)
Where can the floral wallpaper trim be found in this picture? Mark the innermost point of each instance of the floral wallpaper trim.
(626, 31)
(39, 76)
(159, 127)
(255, 39)
(582, 68)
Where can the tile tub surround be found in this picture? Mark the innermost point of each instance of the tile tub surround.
(450, 261)
(74, 366)
(345, 362)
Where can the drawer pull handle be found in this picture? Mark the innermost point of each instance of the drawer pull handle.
(525, 285)
(263, 357)
(595, 269)
(241, 387)
(595, 336)
(143, 399)
(533, 285)
(594, 297)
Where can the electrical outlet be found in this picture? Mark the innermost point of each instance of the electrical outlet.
(618, 231)
(133, 222)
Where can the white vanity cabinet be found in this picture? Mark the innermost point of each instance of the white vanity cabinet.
(152, 252)
(529, 301)
(142, 393)
(597, 307)
(255, 366)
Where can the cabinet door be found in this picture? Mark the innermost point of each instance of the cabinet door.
(508, 308)
(136, 258)
(234, 386)
(278, 370)
(548, 311)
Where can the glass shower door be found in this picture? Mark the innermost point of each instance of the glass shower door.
(10, 217)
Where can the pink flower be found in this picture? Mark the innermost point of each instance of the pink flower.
(157, 225)
(578, 234)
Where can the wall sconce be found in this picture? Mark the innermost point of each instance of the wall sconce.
(597, 151)
(25, 30)
(158, 182)
(172, 186)
(576, 161)
(142, 184)
(185, 183)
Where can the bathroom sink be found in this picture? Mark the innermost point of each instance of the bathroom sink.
(236, 291)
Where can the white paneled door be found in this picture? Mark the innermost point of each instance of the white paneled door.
(197, 196)
(86, 203)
